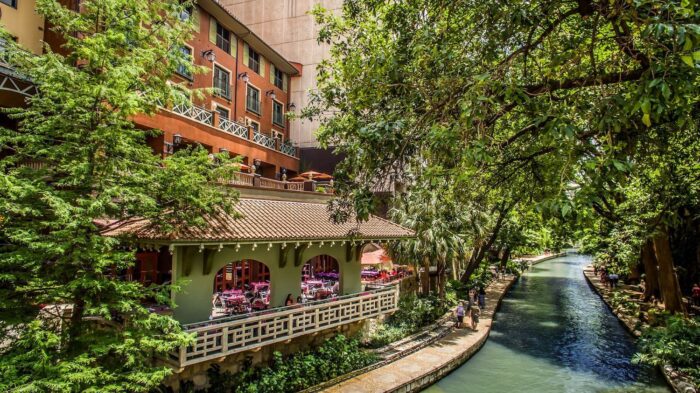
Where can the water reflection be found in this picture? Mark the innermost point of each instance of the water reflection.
(553, 334)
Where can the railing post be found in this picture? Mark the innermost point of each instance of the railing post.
(182, 355)
(250, 133)
(256, 180)
(224, 340)
(290, 328)
(215, 119)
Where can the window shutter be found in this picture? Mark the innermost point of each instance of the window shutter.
(246, 55)
(212, 30)
(272, 73)
(262, 66)
(284, 82)
(234, 45)
(195, 18)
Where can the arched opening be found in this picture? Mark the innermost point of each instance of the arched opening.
(320, 279)
(241, 287)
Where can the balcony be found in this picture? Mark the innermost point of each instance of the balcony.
(257, 181)
(210, 118)
(217, 339)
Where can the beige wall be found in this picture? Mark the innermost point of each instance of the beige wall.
(24, 23)
(287, 27)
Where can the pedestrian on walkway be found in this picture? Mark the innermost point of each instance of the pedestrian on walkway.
(696, 294)
(613, 278)
(474, 317)
(460, 315)
(482, 298)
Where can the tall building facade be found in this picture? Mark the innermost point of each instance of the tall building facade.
(288, 27)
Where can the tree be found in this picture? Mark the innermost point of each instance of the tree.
(95, 167)
(507, 98)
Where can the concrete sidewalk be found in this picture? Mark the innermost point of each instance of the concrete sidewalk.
(432, 362)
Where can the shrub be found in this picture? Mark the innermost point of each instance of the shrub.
(414, 313)
(676, 344)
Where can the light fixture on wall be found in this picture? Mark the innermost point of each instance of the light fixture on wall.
(209, 55)
(291, 107)
(271, 94)
(177, 139)
(243, 76)
(223, 150)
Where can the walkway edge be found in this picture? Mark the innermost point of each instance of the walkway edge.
(594, 282)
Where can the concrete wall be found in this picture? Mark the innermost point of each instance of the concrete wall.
(24, 23)
(287, 27)
(194, 301)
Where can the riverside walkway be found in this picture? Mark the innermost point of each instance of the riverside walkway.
(424, 367)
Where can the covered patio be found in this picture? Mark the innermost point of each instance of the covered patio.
(240, 273)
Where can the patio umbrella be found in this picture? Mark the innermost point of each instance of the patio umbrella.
(298, 178)
(377, 257)
(316, 175)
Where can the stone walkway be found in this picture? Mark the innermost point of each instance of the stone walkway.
(407, 373)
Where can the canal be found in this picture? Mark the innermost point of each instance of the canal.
(554, 334)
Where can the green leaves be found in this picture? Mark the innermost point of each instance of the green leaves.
(90, 164)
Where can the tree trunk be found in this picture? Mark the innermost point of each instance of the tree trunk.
(481, 251)
(651, 280)
(442, 278)
(455, 269)
(668, 282)
(76, 322)
(425, 277)
(505, 257)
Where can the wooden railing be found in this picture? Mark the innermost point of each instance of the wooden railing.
(219, 338)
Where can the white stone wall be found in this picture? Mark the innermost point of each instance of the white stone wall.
(288, 28)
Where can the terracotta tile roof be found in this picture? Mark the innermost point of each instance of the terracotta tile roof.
(267, 220)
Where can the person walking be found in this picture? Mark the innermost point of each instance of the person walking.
(474, 317)
(482, 298)
(695, 292)
(460, 315)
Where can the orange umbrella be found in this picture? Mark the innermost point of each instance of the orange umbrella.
(316, 175)
(377, 257)
(298, 178)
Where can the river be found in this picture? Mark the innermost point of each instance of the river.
(554, 334)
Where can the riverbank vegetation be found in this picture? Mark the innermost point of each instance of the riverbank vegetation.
(302, 370)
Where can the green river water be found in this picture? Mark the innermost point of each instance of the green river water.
(554, 334)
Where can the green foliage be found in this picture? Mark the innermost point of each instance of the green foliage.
(302, 370)
(413, 314)
(622, 302)
(95, 166)
(676, 344)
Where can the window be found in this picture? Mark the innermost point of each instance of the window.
(252, 100)
(223, 112)
(222, 80)
(253, 60)
(11, 3)
(182, 68)
(279, 79)
(223, 38)
(277, 114)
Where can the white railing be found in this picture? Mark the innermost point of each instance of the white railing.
(262, 139)
(288, 149)
(240, 179)
(219, 338)
(234, 128)
(296, 186)
(195, 113)
(271, 183)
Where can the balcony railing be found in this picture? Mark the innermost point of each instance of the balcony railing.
(195, 113)
(219, 338)
(232, 127)
(262, 139)
(241, 179)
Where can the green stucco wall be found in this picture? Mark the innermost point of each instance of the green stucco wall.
(194, 300)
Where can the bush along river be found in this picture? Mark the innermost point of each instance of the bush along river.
(554, 334)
